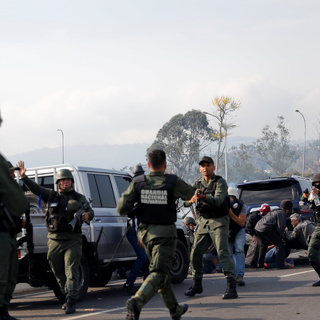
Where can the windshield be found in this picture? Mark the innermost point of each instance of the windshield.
(269, 192)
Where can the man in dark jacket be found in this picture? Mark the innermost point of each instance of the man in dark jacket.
(252, 239)
(270, 230)
(300, 236)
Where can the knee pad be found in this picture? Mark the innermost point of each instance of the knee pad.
(157, 279)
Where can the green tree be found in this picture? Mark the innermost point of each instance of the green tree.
(183, 138)
(223, 107)
(274, 148)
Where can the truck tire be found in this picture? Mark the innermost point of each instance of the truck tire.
(83, 282)
(101, 279)
(33, 200)
(180, 263)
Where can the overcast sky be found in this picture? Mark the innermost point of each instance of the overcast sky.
(116, 71)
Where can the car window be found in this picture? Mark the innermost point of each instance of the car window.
(122, 183)
(101, 191)
(46, 182)
(96, 202)
(261, 193)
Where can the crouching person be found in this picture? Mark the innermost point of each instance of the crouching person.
(155, 194)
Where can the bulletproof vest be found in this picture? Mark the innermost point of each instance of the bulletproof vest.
(57, 216)
(156, 204)
(207, 211)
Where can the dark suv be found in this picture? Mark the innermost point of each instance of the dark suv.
(273, 191)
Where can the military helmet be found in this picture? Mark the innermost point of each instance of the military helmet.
(316, 178)
(188, 220)
(64, 174)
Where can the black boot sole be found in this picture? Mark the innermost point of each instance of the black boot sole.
(133, 311)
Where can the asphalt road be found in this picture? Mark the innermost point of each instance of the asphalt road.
(268, 294)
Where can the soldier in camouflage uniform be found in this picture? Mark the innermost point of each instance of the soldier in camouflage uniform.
(314, 243)
(15, 202)
(212, 205)
(155, 194)
(64, 245)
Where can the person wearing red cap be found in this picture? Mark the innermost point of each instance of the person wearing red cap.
(252, 239)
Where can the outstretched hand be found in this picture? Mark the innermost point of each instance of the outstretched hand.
(22, 171)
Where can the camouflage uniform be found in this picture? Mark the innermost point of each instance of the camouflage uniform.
(13, 199)
(159, 242)
(314, 243)
(64, 247)
(213, 228)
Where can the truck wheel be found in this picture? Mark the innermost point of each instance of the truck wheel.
(180, 263)
(101, 279)
(33, 200)
(83, 282)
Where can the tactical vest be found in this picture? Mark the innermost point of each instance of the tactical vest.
(234, 227)
(57, 218)
(207, 211)
(156, 204)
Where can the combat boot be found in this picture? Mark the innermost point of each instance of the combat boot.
(132, 309)
(64, 306)
(148, 288)
(178, 311)
(231, 291)
(316, 267)
(4, 313)
(70, 306)
(195, 288)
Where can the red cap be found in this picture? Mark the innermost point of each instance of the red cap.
(265, 209)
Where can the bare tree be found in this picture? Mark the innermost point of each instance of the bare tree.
(274, 148)
(223, 107)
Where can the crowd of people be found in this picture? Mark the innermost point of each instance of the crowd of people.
(261, 239)
(221, 228)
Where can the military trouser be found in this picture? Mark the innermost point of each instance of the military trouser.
(64, 259)
(8, 267)
(216, 232)
(314, 245)
(160, 252)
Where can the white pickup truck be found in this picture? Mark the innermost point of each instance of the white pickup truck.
(105, 246)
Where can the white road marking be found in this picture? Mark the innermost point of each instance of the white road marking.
(294, 274)
(94, 313)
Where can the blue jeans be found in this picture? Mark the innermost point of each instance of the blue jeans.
(141, 260)
(271, 258)
(236, 250)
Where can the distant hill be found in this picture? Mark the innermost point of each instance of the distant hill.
(104, 156)
(100, 156)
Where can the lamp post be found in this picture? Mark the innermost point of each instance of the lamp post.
(305, 137)
(225, 147)
(62, 136)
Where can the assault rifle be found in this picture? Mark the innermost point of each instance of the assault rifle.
(6, 219)
(77, 216)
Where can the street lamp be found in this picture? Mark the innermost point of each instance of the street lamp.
(305, 137)
(225, 147)
(62, 136)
